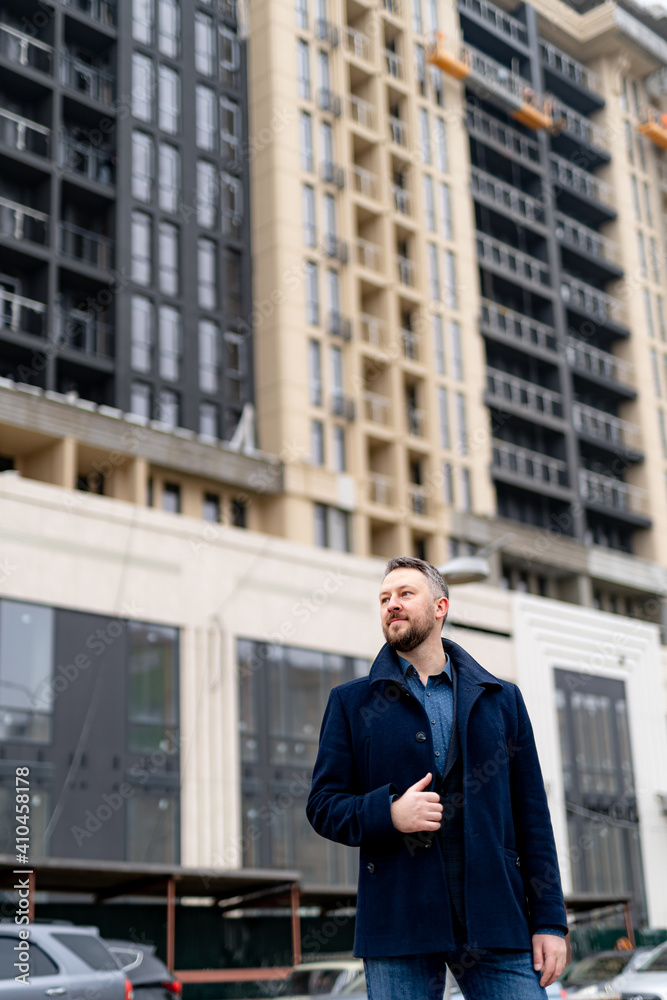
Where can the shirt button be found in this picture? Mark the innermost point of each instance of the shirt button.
(428, 694)
(370, 867)
(421, 737)
(433, 721)
(437, 753)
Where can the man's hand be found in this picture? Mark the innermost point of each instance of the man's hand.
(549, 957)
(417, 810)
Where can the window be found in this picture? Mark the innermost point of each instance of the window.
(169, 27)
(420, 69)
(231, 204)
(152, 680)
(330, 227)
(169, 254)
(623, 99)
(152, 827)
(204, 44)
(171, 498)
(332, 528)
(312, 293)
(424, 136)
(308, 212)
(210, 508)
(26, 669)
(233, 281)
(337, 391)
(208, 420)
(143, 333)
(230, 130)
(169, 181)
(230, 58)
(438, 344)
(649, 313)
(629, 142)
(446, 212)
(206, 118)
(661, 317)
(143, 166)
(142, 236)
(431, 16)
(429, 203)
(461, 427)
(451, 296)
(440, 137)
(656, 372)
(207, 273)
(447, 483)
(141, 400)
(303, 69)
(207, 194)
(323, 72)
(339, 450)
(663, 432)
(209, 356)
(169, 408)
(466, 496)
(142, 21)
(317, 442)
(433, 275)
(306, 142)
(457, 358)
(326, 143)
(417, 17)
(641, 146)
(635, 97)
(170, 100)
(642, 255)
(143, 87)
(647, 204)
(40, 963)
(171, 344)
(301, 14)
(635, 198)
(443, 408)
(655, 263)
(315, 372)
(238, 512)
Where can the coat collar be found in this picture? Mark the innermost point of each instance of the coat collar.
(387, 668)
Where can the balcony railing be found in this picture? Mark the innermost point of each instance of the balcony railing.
(23, 134)
(25, 50)
(613, 494)
(361, 112)
(506, 196)
(392, 7)
(328, 101)
(415, 421)
(398, 131)
(410, 342)
(358, 44)
(20, 222)
(365, 182)
(418, 499)
(84, 245)
(381, 489)
(334, 247)
(592, 361)
(406, 270)
(83, 158)
(485, 126)
(81, 331)
(568, 67)
(22, 315)
(579, 127)
(604, 427)
(580, 237)
(508, 388)
(369, 254)
(498, 19)
(377, 408)
(402, 199)
(496, 76)
(373, 330)
(528, 464)
(89, 80)
(394, 64)
(493, 251)
(580, 181)
(103, 11)
(590, 300)
(514, 326)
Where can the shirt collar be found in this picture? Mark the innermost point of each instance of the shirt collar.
(405, 666)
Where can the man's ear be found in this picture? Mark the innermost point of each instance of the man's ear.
(442, 607)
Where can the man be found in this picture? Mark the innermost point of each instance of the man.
(429, 766)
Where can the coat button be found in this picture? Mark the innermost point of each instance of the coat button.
(429, 843)
(421, 737)
(370, 867)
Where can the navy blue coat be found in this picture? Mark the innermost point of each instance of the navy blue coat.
(376, 740)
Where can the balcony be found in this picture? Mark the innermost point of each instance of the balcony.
(514, 462)
(358, 45)
(339, 326)
(604, 428)
(613, 495)
(497, 20)
(25, 50)
(570, 79)
(342, 406)
(508, 199)
(327, 32)
(574, 130)
(377, 408)
(84, 333)
(328, 101)
(20, 222)
(373, 330)
(369, 255)
(86, 246)
(653, 124)
(21, 315)
(366, 183)
(418, 499)
(515, 328)
(361, 112)
(590, 301)
(600, 365)
(511, 263)
(402, 199)
(596, 249)
(504, 389)
(335, 248)
(581, 194)
(381, 489)
(23, 134)
(96, 84)
(102, 11)
(332, 173)
(506, 139)
(394, 65)
(398, 131)
(411, 345)
(88, 161)
(405, 269)
(415, 421)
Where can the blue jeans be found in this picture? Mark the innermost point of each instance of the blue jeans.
(481, 974)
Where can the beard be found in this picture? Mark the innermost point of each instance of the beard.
(409, 638)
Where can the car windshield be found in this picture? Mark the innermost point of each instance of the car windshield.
(658, 963)
(596, 968)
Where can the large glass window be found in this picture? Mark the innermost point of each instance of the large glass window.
(209, 356)
(169, 27)
(230, 58)
(312, 293)
(231, 204)
(170, 100)
(143, 333)
(207, 194)
(204, 44)
(451, 291)
(443, 406)
(306, 134)
(169, 258)
(169, 408)
(315, 372)
(143, 166)
(142, 256)
(206, 118)
(441, 159)
(424, 136)
(143, 87)
(332, 528)
(303, 69)
(152, 827)
(308, 215)
(230, 131)
(171, 343)
(143, 17)
(141, 400)
(170, 177)
(26, 668)
(429, 203)
(209, 421)
(446, 212)
(152, 686)
(207, 273)
(433, 273)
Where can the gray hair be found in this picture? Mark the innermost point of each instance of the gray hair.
(436, 581)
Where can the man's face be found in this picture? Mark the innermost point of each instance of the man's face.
(408, 610)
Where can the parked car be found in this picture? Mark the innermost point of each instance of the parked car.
(356, 990)
(648, 980)
(150, 977)
(60, 960)
(589, 975)
(327, 976)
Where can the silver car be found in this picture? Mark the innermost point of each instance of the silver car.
(648, 981)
